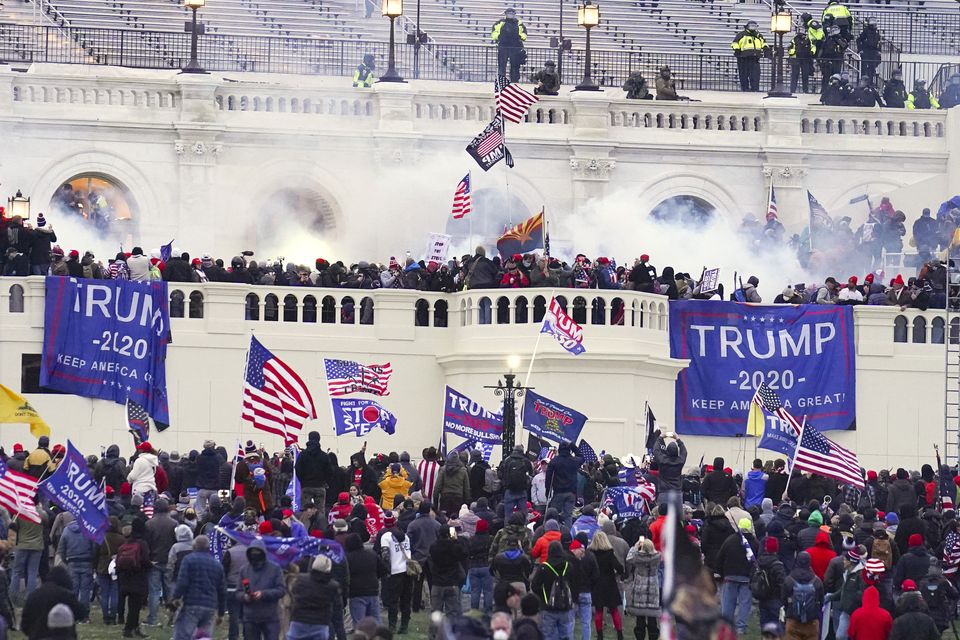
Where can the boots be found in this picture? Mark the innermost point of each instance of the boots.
(404, 625)
(600, 634)
(620, 634)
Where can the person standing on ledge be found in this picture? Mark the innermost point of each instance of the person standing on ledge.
(748, 46)
(363, 76)
(509, 34)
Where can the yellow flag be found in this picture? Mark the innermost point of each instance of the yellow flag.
(755, 420)
(15, 408)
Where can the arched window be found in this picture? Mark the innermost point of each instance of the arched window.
(580, 310)
(634, 313)
(421, 313)
(464, 313)
(919, 329)
(539, 308)
(520, 312)
(347, 311)
(176, 303)
(687, 210)
(271, 307)
(440, 313)
(309, 309)
(955, 331)
(616, 311)
(900, 329)
(366, 310)
(599, 310)
(936, 331)
(16, 299)
(98, 200)
(252, 307)
(562, 301)
(290, 308)
(503, 310)
(196, 304)
(328, 310)
(484, 308)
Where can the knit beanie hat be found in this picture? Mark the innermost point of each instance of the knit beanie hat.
(41, 221)
(815, 518)
(771, 545)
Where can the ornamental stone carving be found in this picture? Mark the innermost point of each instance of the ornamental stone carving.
(784, 175)
(592, 168)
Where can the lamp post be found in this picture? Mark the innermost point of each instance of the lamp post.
(18, 206)
(781, 22)
(393, 9)
(509, 391)
(588, 16)
(193, 66)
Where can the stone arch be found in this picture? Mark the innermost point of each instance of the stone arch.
(15, 304)
(876, 189)
(683, 183)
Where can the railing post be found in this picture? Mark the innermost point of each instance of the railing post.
(700, 72)
(122, 43)
(340, 44)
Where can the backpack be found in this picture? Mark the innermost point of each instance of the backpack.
(882, 551)
(560, 598)
(515, 474)
(760, 583)
(129, 558)
(803, 607)
(176, 565)
(491, 482)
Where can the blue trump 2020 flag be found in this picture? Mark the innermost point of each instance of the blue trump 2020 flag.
(283, 551)
(108, 339)
(564, 330)
(294, 490)
(804, 353)
(360, 417)
(551, 420)
(72, 488)
(468, 419)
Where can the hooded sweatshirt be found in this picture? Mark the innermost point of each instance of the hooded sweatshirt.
(263, 576)
(142, 476)
(821, 553)
(754, 488)
(180, 549)
(453, 483)
(766, 511)
(870, 622)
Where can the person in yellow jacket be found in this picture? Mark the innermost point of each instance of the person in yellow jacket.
(749, 46)
(509, 33)
(919, 98)
(40, 462)
(838, 14)
(363, 76)
(394, 484)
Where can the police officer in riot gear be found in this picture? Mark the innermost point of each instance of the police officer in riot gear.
(509, 33)
(920, 97)
(548, 82)
(363, 76)
(866, 95)
(636, 87)
(832, 95)
(895, 92)
(801, 54)
(749, 46)
(831, 55)
(868, 44)
(951, 95)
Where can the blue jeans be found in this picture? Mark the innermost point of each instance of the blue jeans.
(514, 500)
(585, 614)
(303, 631)
(843, 624)
(564, 502)
(481, 584)
(40, 269)
(769, 611)
(109, 594)
(26, 567)
(81, 573)
(735, 598)
(235, 612)
(556, 625)
(364, 607)
(192, 618)
(261, 630)
(158, 587)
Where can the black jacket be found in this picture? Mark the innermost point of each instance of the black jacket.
(482, 274)
(313, 597)
(912, 565)
(776, 573)
(776, 485)
(669, 468)
(895, 94)
(56, 589)
(40, 247)
(313, 466)
(208, 470)
(913, 621)
(717, 487)
(732, 557)
(447, 559)
(562, 472)
(716, 530)
(366, 569)
(478, 548)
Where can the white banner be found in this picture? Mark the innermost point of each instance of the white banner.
(437, 248)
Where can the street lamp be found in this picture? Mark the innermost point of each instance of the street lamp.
(588, 16)
(18, 206)
(393, 9)
(509, 391)
(781, 22)
(193, 66)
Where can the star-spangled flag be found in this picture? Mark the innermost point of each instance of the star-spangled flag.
(630, 502)
(818, 215)
(587, 453)
(772, 204)
(820, 455)
(462, 198)
(17, 491)
(346, 376)
(275, 397)
(149, 502)
(138, 422)
(512, 100)
(284, 551)
(767, 399)
(487, 148)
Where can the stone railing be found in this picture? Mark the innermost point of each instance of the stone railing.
(901, 123)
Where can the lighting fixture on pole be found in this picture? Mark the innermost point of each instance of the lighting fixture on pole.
(781, 22)
(195, 29)
(588, 16)
(393, 9)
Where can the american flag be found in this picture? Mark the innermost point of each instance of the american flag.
(587, 453)
(17, 491)
(275, 398)
(462, 201)
(818, 215)
(138, 422)
(149, 500)
(512, 99)
(769, 401)
(493, 140)
(428, 470)
(241, 454)
(818, 454)
(346, 376)
(772, 205)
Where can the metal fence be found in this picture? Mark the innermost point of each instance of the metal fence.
(916, 31)
(471, 63)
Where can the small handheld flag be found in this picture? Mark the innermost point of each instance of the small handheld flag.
(166, 251)
(138, 422)
(587, 453)
(558, 324)
(462, 199)
(487, 148)
(346, 376)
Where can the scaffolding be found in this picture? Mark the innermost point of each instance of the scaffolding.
(951, 396)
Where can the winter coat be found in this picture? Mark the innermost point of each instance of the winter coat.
(201, 582)
(478, 550)
(732, 558)
(940, 596)
(453, 485)
(74, 547)
(160, 536)
(776, 573)
(539, 551)
(422, 533)
(448, 557)
(313, 466)
(642, 586)
(136, 581)
(606, 590)
(562, 472)
(391, 486)
(586, 524)
(870, 622)
(908, 526)
(502, 541)
(543, 578)
(512, 565)
(268, 580)
(801, 574)
(208, 470)
(913, 622)
(718, 487)
(821, 553)
(716, 530)
(669, 468)
(56, 589)
(142, 476)
(901, 494)
(912, 565)
(754, 486)
(111, 469)
(313, 597)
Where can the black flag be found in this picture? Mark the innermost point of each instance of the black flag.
(651, 429)
(487, 148)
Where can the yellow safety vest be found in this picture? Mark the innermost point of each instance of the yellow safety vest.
(363, 77)
(495, 34)
(748, 44)
(837, 11)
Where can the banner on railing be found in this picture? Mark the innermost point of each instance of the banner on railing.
(108, 339)
(804, 353)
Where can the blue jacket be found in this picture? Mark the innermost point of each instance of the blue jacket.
(754, 488)
(208, 470)
(73, 546)
(268, 580)
(587, 524)
(562, 472)
(201, 582)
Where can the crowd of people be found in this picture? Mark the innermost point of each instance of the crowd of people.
(529, 548)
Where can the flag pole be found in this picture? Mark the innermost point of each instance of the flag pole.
(470, 244)
(794, 458)
(246, 364)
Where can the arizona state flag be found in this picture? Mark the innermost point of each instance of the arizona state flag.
(15, 408)
(526, 236)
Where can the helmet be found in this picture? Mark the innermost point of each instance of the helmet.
(833, 30)
(751, 24)
(815, 24)
(836, 77)
(368, 60)
(919, 83)
(872, 21)
(236, 262)
(510, 11)
(549, 63)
